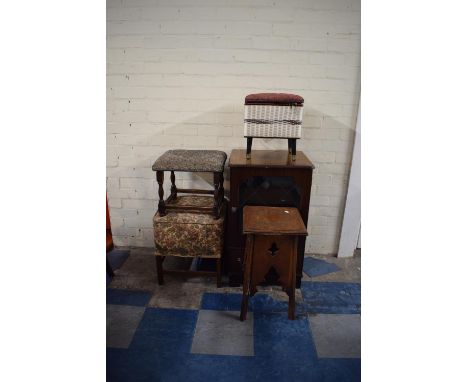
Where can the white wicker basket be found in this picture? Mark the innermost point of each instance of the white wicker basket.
(273, 121)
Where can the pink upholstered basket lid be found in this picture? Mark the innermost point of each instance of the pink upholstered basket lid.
(274, 99)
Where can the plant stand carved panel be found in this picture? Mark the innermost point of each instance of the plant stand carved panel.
(272, 241)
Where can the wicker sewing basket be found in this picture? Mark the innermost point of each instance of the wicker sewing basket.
(273, 115)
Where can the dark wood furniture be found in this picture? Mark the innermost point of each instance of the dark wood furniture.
(190, 161)
(272, 238)
(269, 178)
(183, 225)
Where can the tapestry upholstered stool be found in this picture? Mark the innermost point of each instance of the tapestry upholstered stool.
(189, 234)
(272, 236)
(190, 225)
(273, 115)
(191, 161)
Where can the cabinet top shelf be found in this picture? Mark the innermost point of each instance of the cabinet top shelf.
(268, 158)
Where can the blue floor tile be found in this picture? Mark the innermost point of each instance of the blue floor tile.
(258, 303)
(317, 267)
(278, 338)
(330, 297)
(117, 257)
(267, 304)
(286, 370)
(140, 365)
(202, 368)
(221, 301)
(127, 297)
(129, 365)
(245, 369)
(339, 369)
(283, 351)
(165, 331)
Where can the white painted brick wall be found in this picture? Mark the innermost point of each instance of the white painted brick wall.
(177, 75)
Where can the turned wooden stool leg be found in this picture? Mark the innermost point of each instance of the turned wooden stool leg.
(161, 204)
(292, 279)
(249, 147)
(221, 190)
(173, 187)
(218, 273)
(159, 269)
(216, 182)
(247, 275)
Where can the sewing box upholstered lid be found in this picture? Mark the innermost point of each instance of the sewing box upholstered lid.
(189, 234)
(279, 99)
(191, 161)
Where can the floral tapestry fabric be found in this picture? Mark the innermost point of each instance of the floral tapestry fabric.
(191, 161)
(189, 234)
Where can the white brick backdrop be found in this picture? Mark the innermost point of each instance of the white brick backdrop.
(177, 75)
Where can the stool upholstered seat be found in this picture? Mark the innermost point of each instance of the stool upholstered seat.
(274, 99)
(191, 161)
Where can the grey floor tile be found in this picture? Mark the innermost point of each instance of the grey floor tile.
(223, 333)
(121, 323)
(337, 335)
(178, 294)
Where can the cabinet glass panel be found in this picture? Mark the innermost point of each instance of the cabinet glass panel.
(269, 191)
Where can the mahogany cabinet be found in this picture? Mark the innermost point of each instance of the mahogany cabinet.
(269, 178)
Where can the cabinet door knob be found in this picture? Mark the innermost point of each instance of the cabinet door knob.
(233, 209)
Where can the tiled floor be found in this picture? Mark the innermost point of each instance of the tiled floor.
(189, 330)
(237, 338)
